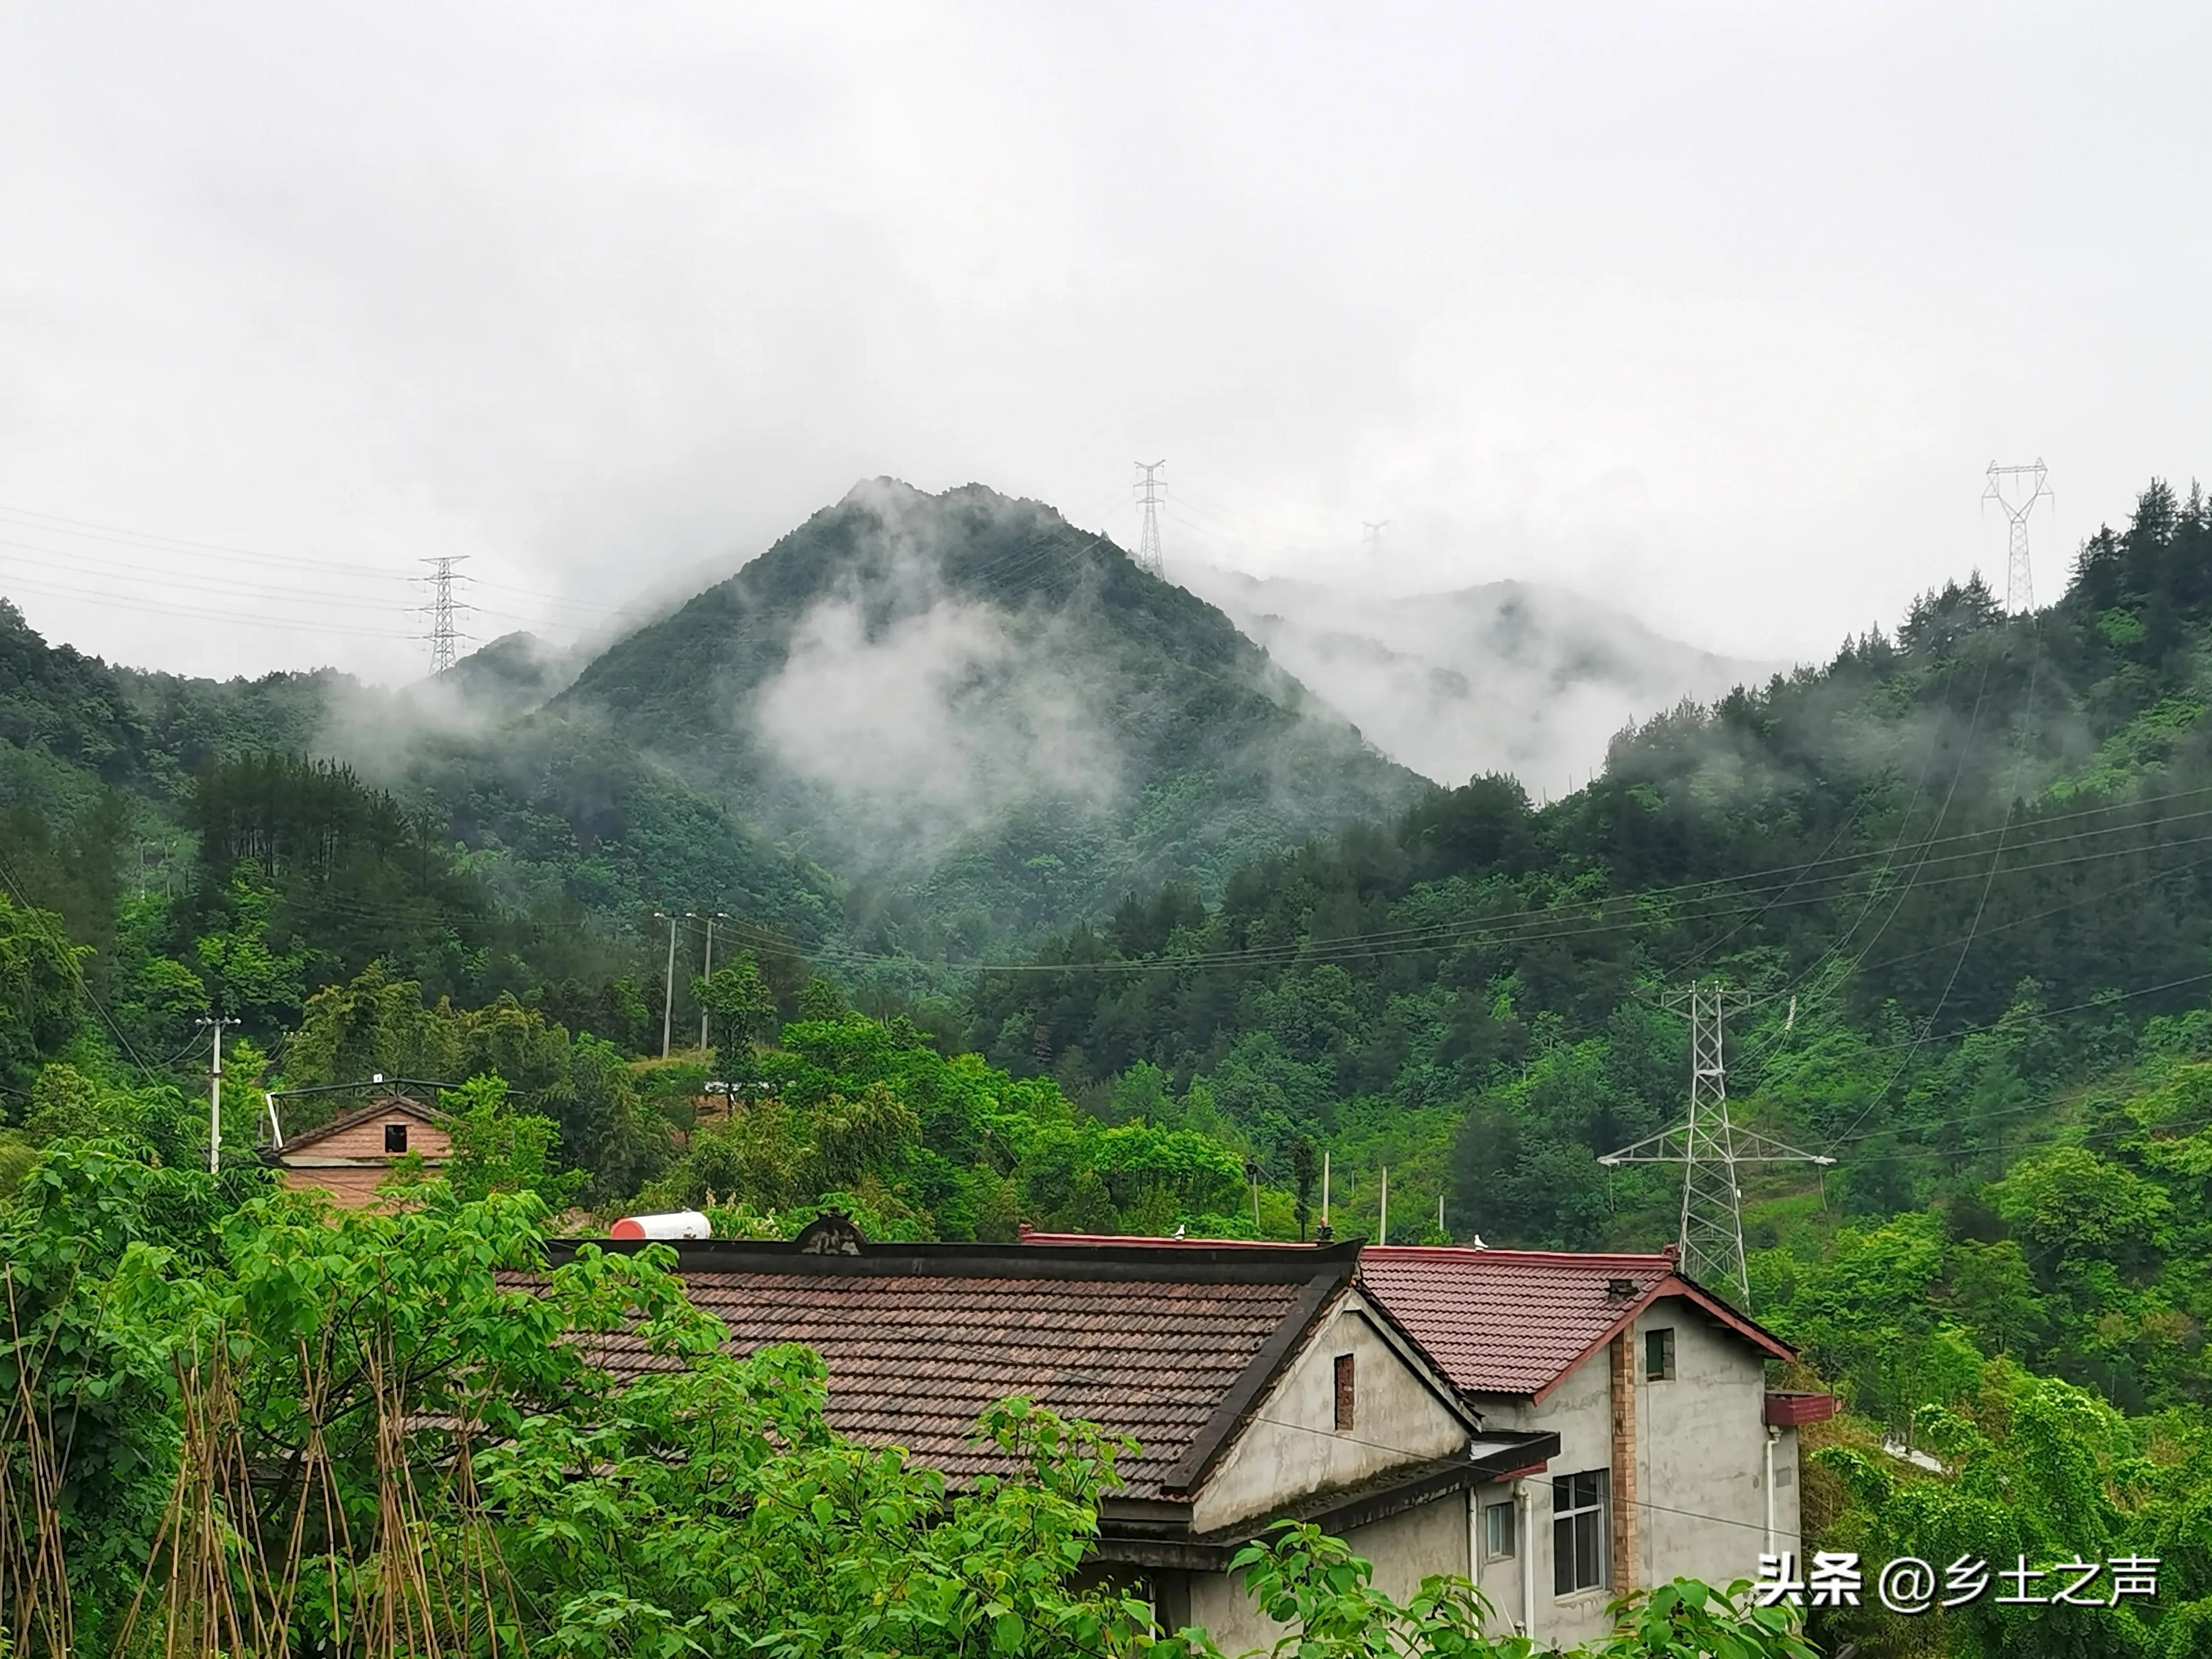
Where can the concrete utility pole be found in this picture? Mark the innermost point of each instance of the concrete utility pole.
(1149, 487)
(1708, 1147)
(1382, 1213)
(706, 968)
(668, 988)
(2016, 490)
(214, 1028)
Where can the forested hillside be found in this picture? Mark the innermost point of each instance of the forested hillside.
(990, 718)
(1957, 877)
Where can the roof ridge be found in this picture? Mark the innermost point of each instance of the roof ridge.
(383, 1105)
(1470, 1254)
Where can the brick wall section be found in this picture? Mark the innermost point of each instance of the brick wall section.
(366, 1140)
(354, 1186)
(1624, 1553)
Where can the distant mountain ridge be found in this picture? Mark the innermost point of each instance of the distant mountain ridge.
(1513, 676)
(514, 675)
(972, 707)
(935, 723)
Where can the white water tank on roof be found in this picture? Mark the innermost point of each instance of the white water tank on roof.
(676, 1224)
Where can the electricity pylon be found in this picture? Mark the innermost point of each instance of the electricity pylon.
(1708, 1147)
(441, 612)
(2016, 490)
(1371, 533)
(1149, 487)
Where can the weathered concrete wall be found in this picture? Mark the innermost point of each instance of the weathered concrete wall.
(1789, 1495)
(1291, 1449)
(1702, 1444)
(1698, 1482)
(1406, 1549)
(1580, 1411)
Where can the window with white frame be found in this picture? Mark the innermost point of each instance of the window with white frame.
(1580, 1537)
(1498, 1531)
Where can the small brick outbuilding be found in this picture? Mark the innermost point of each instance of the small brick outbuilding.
(348, 1156)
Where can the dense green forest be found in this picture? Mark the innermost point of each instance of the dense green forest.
(1958, 875)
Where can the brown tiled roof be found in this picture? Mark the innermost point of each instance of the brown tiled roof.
(1172, 1347)
(1517, 1321)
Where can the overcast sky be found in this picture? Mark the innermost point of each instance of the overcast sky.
(1716, 310)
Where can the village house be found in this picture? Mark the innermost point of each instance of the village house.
(1675, 1458)
(1258, 1383)
(350, 1155)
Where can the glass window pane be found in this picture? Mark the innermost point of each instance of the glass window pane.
(1586, 1570)
(1562, 1492)
(1563, 1557)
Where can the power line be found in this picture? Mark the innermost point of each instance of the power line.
(1996, 855)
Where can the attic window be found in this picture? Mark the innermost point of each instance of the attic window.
(1620, 1287)
(395, 1137)
(1345, 1364)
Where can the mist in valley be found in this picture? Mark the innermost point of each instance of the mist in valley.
(1513, 676)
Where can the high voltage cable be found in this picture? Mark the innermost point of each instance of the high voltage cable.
(1903, 824)
(1018, 559)
(1876, 893)
(1505, 927)
(1996, 857)
(62, 944)
(1570, 919)
(62, 526)
(170, 577)
(2192, 865)
(108, 600)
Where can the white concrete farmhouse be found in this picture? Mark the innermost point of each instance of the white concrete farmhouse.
(1559, 1428)
(1676, 1459)
(1260, 1384)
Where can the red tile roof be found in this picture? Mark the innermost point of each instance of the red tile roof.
(1168, 1347)
(1517, 1321)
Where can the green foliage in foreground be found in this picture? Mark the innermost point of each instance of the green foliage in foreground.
(2035, 1469)
(274, 1428)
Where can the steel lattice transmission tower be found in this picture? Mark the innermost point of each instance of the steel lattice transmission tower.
(441, 612)
(1148, 490)
(2016, 490)
(1709, 1148)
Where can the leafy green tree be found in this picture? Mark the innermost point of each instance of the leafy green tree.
(39, 970)
(738, 1000)
(822, 998)
(499, 1150)
(2068, 1203)
(2040, 1469)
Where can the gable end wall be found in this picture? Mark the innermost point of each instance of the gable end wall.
(1290, 1448)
